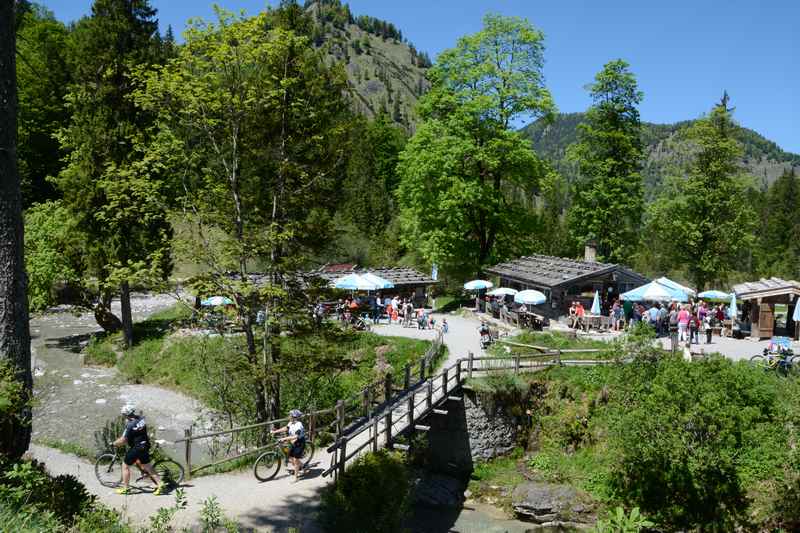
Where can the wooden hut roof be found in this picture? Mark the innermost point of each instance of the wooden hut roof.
(765, 288)
(400, 276)
(549, 271)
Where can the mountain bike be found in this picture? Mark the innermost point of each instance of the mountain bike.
(784, 361)
(108, 469)
(269, 463)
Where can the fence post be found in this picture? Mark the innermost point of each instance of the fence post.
(407, 377)
(187, 434)
(469, 365)
(342, 455)
(429, 396)
(312, 425)
(366, 402)
(387, 387)
(410, 414)
(559, 357)
(339, 418)
(375, 434)
(444, 383)
(422, 369)
(516, 363)
(388, 423)
(430, 367)
(458, 372)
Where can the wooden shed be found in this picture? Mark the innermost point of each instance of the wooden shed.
(768, 305)
(566, 280)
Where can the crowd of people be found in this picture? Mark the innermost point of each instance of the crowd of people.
(393, 309)
(686, 320)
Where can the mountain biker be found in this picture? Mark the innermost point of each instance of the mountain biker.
(135, 436)
(296, 436)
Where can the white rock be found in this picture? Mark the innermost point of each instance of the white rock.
(77, 382)
(100, 401)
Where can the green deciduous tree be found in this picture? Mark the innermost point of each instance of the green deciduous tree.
(15, 340)
(608, 198)
(112, 191)
(702, 222)
(463, 169)
(253, 125)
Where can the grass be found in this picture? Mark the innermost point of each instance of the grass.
(318, 368)
(99, 352)
(494, 481)
(67, 447)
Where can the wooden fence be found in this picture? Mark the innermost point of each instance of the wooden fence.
(426, 399)
(347, 415)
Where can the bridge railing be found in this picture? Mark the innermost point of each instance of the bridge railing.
(403, 415)
(220, 447)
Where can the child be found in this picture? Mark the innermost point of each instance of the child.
(444, 325)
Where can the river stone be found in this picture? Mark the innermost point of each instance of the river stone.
(546, 502)
(437, 490)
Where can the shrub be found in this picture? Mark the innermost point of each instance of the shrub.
(619, 522)
(680, 443)
(27, 483)
(372, 495)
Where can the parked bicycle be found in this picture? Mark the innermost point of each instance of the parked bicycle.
(269, 463)
(783, 361)
(108, 469)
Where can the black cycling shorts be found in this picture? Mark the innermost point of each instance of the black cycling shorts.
(297, 449)
(137, 454)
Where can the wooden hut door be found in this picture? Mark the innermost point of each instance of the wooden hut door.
(766, 320)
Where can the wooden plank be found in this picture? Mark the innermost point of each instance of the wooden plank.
(402, 447)
(440, 411)
(420, 427)
(455, 398)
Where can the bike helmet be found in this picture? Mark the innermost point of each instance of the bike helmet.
(295, 413)
(128, 409)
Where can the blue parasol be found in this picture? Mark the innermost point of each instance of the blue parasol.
(595, 310)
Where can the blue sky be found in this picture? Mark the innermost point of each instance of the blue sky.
(684, 53)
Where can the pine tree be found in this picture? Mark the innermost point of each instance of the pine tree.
(780, 237)
(608, 198)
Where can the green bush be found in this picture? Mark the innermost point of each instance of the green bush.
(619, 522)
(27, 483)
(680, 444)
(372, 495)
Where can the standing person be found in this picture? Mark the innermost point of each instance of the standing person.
(683, 323)
(135, 436)
(580, 314)
(694, 329)
(572, 315)
(707, 327)
(296, 436)
(627, 309)
(445, 326)
(653, 318)
(673, 327)
(663, 321)
(616, 313)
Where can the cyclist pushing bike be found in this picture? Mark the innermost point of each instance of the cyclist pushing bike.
(135, 436)
(296, 436)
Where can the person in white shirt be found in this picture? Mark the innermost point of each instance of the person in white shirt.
(296, 436)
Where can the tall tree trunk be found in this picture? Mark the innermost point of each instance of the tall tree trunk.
(103, 315)
(127, 319)
(15, 340)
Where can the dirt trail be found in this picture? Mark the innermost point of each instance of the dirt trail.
(274, 505)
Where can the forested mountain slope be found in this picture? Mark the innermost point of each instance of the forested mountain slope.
(664, 148)
(386, 73)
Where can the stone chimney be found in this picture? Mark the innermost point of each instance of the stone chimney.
(590, 251)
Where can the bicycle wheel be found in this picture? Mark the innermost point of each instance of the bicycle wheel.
(108, 469)
(760, 361)
(308, 453)
(793, 366)
(267, 465)
(171, 472)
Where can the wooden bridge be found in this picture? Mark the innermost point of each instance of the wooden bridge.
(385, 411)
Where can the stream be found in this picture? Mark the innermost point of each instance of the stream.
(72, 401)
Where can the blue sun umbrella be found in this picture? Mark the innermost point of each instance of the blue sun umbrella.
(714, 295)
(381, 283)
(354, 282)
(214, 301)
(478, 284)
(596, 304)
(530, 297)
(796, 314)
